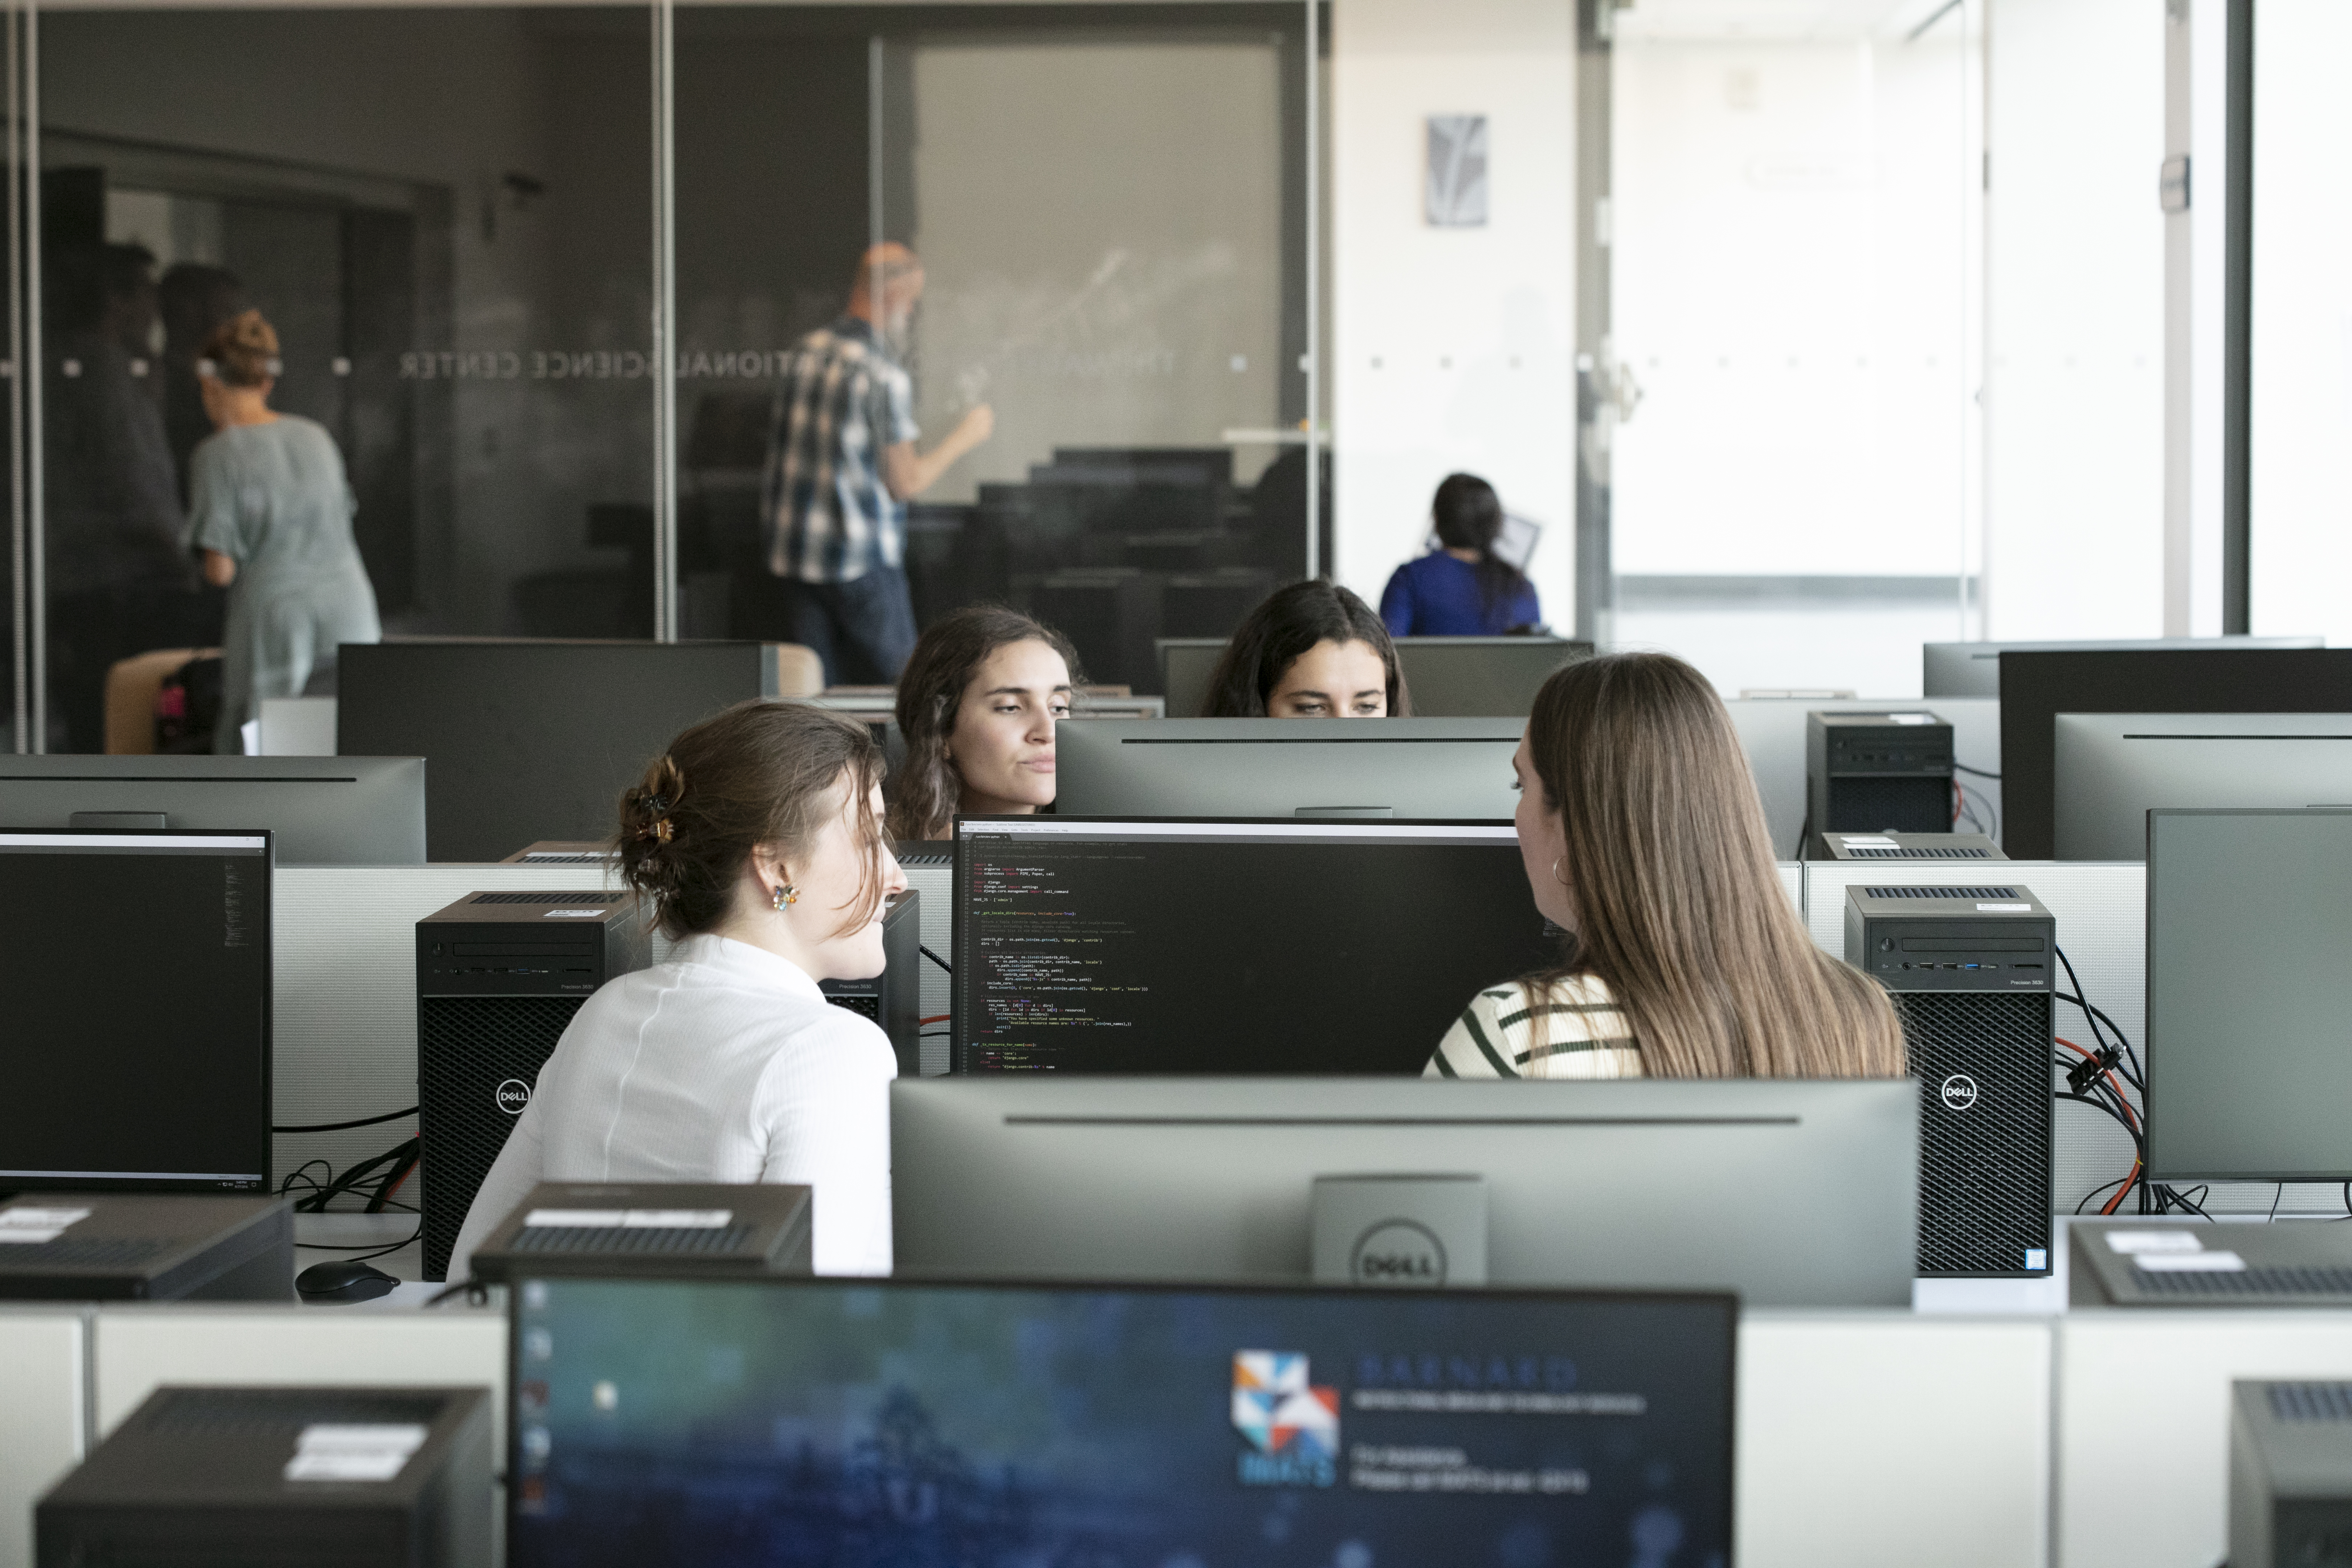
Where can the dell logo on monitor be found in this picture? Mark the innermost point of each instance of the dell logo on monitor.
(513, 1095)
(1959, 1091)
(1398, 1252)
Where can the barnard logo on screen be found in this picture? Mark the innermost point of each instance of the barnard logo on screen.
(1293, 1428)
(513, 1095)
(1959, 1091)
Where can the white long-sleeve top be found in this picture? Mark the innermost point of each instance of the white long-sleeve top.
(723, 1064)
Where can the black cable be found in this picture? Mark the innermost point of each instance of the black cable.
(1969, 805)
(2094, 1191)
(942, 963)
(345, 1126)
(316, 1203)
(1963, 767)
(2138, 1073)
(2139, 1146)
(482, 1291)
(2095, 1017)
(398, 1174)
(1804, 833)
(2168, 1197)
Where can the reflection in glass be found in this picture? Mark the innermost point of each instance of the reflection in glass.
(1111, 224)
(447, 215)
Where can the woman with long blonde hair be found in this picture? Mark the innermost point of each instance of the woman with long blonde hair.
(1644, 839)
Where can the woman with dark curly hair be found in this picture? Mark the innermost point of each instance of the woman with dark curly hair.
(977, 705)
(1313, 650)
(756, 843)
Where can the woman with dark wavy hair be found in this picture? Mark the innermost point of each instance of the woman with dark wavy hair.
(977, 706)
(1312, 650)
(755, 842)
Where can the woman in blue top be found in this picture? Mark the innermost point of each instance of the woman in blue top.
(270, 511)
(1462, 589)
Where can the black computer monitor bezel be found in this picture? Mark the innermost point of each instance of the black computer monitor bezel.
(957, 1045)
(518, 1378)
(2035, 687)
(268, 1110)
(2151, 1027)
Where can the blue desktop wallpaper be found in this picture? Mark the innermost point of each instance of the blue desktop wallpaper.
(852, 1423)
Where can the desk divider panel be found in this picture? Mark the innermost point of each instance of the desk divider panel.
(2142, 1410)
(345, 977)
(41, 1414)
(1881, 1437)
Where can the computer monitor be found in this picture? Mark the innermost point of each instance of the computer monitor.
(1109, 946)
(1973, 668)
(1792, 1193)
(534, 740)
(691, 1424)
(2035, 687)
(136, 1055)
(319, 811)
(1450, 677)
(2249, 996)
(1309, 768)
(2113, 768)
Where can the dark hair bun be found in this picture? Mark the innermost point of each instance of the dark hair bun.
(759, 774)
(243, 350)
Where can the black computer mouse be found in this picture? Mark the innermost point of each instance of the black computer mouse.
(342, 1279)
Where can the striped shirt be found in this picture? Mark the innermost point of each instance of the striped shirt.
(827, 515)
(1573, 1030)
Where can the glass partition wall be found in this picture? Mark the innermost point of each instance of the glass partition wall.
(458, 220)
(1795, 228)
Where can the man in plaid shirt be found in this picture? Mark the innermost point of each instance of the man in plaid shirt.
(842, 466)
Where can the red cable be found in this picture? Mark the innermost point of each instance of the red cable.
(941, 1019)
(2108, 1074)
(2120, 1192)
(2133, 1121)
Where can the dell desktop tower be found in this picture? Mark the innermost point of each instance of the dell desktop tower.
(1869, 773)
(1969, 968)
(892, 998)
(499, 977)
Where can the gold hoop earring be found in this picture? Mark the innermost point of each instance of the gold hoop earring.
(785, 893)
(1555, 870)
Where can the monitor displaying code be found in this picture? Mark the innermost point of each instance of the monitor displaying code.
(1231, 947)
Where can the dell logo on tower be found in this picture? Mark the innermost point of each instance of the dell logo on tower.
(1398, 1252)
(514, 1094)
(1959, 1091)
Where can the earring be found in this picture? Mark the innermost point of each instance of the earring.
(787, 894)
(1555, 870)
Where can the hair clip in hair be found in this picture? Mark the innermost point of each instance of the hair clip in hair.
(661, 830)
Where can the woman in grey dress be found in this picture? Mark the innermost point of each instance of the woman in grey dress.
(271, 510)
